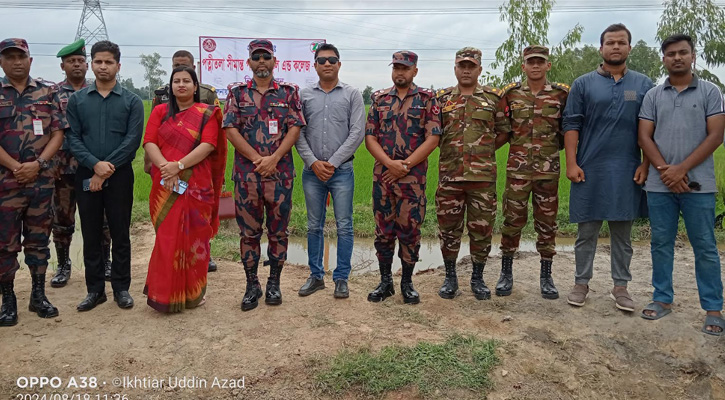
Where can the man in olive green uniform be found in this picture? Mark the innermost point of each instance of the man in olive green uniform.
(535, 107)
(474, 124)
(208, 96)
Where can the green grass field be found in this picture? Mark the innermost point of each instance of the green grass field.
(363, 216)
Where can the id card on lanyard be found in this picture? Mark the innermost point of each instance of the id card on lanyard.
(38, 126)
(274, 127)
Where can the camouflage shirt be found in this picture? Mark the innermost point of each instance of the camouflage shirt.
(65, 90)
(251, 112)
(39, 100)
(470, 126)
(401, 126)
(536, 124)
(206, 92)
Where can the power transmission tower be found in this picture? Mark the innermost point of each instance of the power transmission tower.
(92, 26)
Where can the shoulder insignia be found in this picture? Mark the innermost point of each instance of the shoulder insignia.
(285, 83)
(426, 91)
(236, 84)
(443, 92)
(562, 86)
(161, 91)
(380, 93)
(208, 87)
(498, 92)
(511, 86)
(44, 82)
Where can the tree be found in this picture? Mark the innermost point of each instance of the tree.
(528, 24)
(568, 64)
(154, 74)
(646, 60)
(704, 21)
(128, 84)
(367, 95)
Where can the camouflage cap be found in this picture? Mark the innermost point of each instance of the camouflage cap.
(14, 43)
(536, 51)
(405, 57)
(77, 48)
(469, 54)
(261, 44)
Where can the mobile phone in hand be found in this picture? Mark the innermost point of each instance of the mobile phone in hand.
(182, 186)
(87, 185)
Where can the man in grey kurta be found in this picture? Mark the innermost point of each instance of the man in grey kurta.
(604, 162)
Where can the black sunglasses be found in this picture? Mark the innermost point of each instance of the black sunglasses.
(257, 56)
(323, 60)
(694, 186)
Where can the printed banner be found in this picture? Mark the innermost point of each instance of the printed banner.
(223, 61)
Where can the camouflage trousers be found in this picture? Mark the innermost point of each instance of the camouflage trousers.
(545, 199)
(477, 202)
(254, 201)
(25, 211)
(399, 210)
(64, 210)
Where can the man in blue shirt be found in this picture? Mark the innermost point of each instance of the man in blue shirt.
(106, 127)
(681, 125)
(603, 162)
(335, 115)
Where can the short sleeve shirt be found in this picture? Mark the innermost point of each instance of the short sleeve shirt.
(251, 112)
(680, 120)
(401, 126)
(18, 111)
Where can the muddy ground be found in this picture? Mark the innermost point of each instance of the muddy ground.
(548, 350)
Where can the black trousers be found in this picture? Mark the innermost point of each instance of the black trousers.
(115, 202)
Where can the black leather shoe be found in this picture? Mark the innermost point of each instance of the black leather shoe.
(311, 286)
(123, 299)
(548, 290)
(251, 296)
(9, 309)
(212, 265)
(273, 294)
(410, 296)
(384, 289)
(506, 281)
(91, 301)
(341, 290)
(62, 274)
(478, 286)
(40, 304)
(449, 289)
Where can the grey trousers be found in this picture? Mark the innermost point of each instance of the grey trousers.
(585, 248)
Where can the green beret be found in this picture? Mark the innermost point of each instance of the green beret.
(76, 48)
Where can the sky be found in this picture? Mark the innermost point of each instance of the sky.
(367, 33)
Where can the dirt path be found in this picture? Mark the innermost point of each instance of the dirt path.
(548, 349)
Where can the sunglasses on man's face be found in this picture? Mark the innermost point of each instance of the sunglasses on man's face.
(323, 60)
(265, 56)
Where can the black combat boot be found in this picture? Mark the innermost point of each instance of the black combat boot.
(478, 286)
(273, 295)
(39, 304)
(9, 309)
(506, 280)
(107, 262)
(62, 274)
(410, 296)
(449, 289)
(385, 289)
(212, 266)
(254, 290)
(548, 290)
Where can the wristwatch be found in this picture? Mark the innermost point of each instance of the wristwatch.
(181, 165)
(43, 163)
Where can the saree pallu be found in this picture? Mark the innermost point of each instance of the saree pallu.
(184, 224)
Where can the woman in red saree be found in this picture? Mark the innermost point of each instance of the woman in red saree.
(187, 146)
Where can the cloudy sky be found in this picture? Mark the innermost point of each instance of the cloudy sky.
(367, 32)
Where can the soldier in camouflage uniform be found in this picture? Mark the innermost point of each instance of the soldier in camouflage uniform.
(31, 132)
(73, 63)
(535, 108)
(263, 119)
(474, 126)
(403, 128)
(208, 96)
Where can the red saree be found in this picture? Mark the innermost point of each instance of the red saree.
(184, 223)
